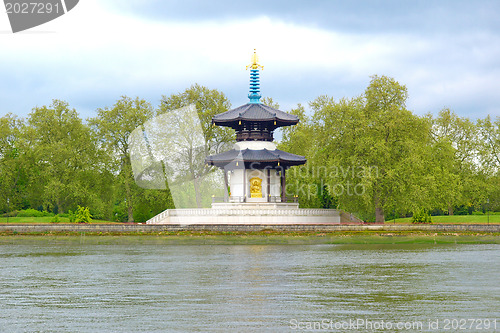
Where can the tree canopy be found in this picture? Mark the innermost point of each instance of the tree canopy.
(366, 154)
(370, 155)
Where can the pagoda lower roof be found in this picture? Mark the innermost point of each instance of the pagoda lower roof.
(254, 112)
(260, 156)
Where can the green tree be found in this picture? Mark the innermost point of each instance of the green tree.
(269, 102)
(208, 103)
(309, 181)
(299, 139)
(462, 179)
(489, 147)
(113, 127)
(62, 155)
(12, 171)
(374, 149)
(489, 157)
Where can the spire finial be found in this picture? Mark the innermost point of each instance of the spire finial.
(254, 94)
(255, 61)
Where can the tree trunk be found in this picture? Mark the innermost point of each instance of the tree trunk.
(60, 209)
(450, 210)
(128, 194)
(195, 179)
(379, 215)
(197, 192)
(130, 214)
(379, 210)
(130, 209)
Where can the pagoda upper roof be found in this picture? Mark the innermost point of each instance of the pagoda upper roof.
(254, 112)
(265, 156)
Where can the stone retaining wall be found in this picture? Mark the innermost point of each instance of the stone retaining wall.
(151, 228)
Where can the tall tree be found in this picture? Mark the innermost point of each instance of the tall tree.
(192, 146)
(63, 157)
(12, 176)
(489, 157)
(113, 127)
(373, 147)
(458, 155)
(489, 147)
(309, 181)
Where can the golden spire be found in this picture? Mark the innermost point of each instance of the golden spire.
(255, 60)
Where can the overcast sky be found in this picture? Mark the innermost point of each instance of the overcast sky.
(446, 52)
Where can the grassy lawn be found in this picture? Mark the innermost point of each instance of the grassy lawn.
(44, 219)
(454, 219)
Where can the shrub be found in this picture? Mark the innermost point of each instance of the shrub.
(10, 214)
(70, 216)
(83, 215)
(421, 217)
(55, 219)
(120, 213)
(33, 213)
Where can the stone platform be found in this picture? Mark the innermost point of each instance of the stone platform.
(254, 213)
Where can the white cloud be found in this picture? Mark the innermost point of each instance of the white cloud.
(94, 55)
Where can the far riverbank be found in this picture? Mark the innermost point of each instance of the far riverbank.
(255, 234)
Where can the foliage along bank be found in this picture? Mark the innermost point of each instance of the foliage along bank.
(366, 154)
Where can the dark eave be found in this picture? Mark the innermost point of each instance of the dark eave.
(254, 112)
(260, 157)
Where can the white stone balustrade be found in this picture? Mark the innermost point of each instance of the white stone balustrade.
(259, 213)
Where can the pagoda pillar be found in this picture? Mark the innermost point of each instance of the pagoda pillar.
(244, 185)
(226, 185)
(283, 184)
(268, 185)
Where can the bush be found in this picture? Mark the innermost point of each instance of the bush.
(55, 219)
(421, 217)
(83, 215)
(120, 213)
(10, 214)
(461, 210)
(70, 215)
(33, 213)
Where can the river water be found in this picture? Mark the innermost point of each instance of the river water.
(58, 286)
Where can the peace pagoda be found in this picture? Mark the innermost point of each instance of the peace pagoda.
(255, 172)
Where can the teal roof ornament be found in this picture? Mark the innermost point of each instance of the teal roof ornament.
(254, 94)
